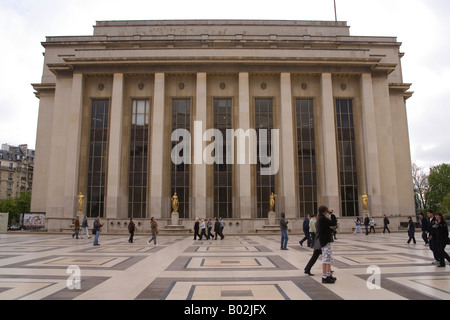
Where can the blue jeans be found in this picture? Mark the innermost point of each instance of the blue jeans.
(97, 234)
(284, 238)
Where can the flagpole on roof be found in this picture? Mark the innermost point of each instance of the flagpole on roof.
(335, 13)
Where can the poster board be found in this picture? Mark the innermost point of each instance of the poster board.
(34, 220)
(3, 222)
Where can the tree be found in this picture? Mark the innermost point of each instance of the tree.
(15, 206)
(420, 180)
(445, 204)
(439, 185)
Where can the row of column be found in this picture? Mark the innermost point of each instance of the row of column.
(287, 201)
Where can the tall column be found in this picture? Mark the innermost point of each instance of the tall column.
(243, 171)
(199, 167)
(288, 174)
(330, 183)
(157, 150)
(114, 195)
(370, 144)
(73, 144)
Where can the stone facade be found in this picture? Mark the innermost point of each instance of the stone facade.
(286, 66)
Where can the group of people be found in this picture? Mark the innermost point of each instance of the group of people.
(435, 235)
(369, 224)
(320, 232)
(98, 225)
(204, 228)
(85, 228)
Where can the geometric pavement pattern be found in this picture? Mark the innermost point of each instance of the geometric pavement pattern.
(249, 267)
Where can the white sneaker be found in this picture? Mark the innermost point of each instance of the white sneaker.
(435, 262)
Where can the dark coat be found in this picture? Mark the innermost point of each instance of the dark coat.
(283, 222)
(131, 227)
(411, 228)
(324, 230)
(441, 231)
(306, 225)
(217, 226)
(424, 222)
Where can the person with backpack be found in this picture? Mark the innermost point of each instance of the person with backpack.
(96, 230)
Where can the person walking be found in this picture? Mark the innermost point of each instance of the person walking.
(209, 226)
(85, 228)
(222, 226)
(441, 239)
(155, 231)
(76, 227)
(96, 230)
(385, 224)
(424, 228)
(283, 228)
(217, 229)
(324, 225)
(316, 253)
(366, 224)
(307, 236)
(432, 239)
(358, 226)
(312, 229)
(196, 229)
(131, 230)
(372, 225)
(203, 230)
(411, 231)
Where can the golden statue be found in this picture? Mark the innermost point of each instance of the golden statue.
(80, 197)
(365, 201)
(175, 203)
(272, 201)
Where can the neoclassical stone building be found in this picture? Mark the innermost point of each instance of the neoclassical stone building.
(114, 105)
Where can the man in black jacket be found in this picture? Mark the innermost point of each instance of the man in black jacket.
(432, 235)
(424, 227)
(325, 232)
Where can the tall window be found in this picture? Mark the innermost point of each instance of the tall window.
(181, 119)
(347, 157)
(265, 184)
(306, 153)
(98, 155)
(137, 190)
(222, 172)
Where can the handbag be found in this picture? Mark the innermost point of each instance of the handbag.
(316, 245)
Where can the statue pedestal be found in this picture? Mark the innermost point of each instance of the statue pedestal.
(175, 217)
(271, 216)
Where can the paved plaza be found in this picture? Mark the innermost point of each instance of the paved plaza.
(248, 267)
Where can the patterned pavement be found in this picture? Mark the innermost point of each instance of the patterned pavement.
(57, 267)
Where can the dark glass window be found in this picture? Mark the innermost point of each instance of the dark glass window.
(180, 173)
(348, 177)
(137, 181)
(306, 156)
(98, 155)
(222, 171)
(265, 184)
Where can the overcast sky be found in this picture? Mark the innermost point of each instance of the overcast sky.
(423, 26)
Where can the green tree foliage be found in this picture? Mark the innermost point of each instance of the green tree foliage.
(439, 185)
(15, 206)
(445, 204)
